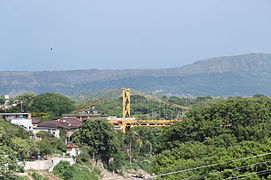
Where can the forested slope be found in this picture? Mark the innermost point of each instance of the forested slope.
(242, 75)
(222, 139)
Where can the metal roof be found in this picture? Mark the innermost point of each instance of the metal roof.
(5, 114)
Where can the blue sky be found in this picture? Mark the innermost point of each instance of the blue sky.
(121, 34)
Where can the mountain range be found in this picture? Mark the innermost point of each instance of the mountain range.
(242, 75)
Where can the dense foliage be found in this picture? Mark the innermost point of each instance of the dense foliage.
(115, 149)
(143, 141)
(37, 176)
(225, 137)
(73, 172)
(14, 146)
(49, 144)
(214, 133)
(2, 100)
(48, 105)
(26, 101)
(53, 103)
(98, 137)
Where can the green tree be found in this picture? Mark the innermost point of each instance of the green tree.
(259, 95)
(99, 138)
(45, 147)
(217, 132)
(53, 103)
(14, 146)
(147, 139)
(48, 117)
(26, 101)
(37, 176)
(73, 172)
(22, 147)
(49, 143)
(2, 100)
(63, 170)
(245, 118)
(8, 161)
(190, 155)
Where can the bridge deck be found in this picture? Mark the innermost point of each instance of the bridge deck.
(143, 122)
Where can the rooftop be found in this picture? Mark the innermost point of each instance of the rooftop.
(52, 123)
(71, 146)
(13, 114)
(67, 123)
(80, 115)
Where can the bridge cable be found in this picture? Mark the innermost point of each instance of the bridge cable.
(96, 101)
(159, 100)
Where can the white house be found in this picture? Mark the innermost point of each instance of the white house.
(73, 150)
(21, 119)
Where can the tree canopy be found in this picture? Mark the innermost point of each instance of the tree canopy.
(14, 146)
(99, 138)
(26, 101)
(52, 103)
(217, 132)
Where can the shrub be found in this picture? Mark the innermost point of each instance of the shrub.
(37, 176)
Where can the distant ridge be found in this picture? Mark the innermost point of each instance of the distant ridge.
(242, 75)
(254, 62)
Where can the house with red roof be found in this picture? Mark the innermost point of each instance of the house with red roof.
(73, 150)
(54, 126)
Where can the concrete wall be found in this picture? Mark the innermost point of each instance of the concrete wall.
(46, 164)
(73, 151)
(27, 123)
(38, 165)
(53, 131)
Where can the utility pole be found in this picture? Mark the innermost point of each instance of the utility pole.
(130, 151)
(21, 102)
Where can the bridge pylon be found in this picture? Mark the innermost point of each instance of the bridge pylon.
(126, 107)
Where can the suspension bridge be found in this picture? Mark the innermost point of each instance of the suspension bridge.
(127, 121)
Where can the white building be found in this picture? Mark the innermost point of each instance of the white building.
(73, 150)
(21, 119)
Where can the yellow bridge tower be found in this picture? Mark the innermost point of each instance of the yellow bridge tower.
(126, 107)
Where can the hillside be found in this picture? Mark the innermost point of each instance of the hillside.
(243, 63)
(242, 75)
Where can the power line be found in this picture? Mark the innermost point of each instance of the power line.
(210, 165)
(250, 174)
(222, 172)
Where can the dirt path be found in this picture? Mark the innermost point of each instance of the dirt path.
(106, 175)
(50, 176)
(24, 175)
(111, 176)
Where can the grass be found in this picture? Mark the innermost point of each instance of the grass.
(74, 172)
(37, 176)
(144, 165)
(14, 178)
(82, 173)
